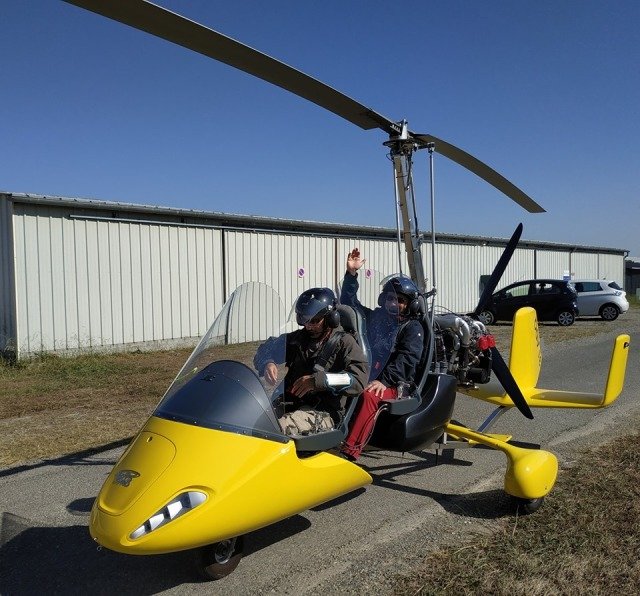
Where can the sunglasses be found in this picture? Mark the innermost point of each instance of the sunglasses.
(315, 320)
(397, 298)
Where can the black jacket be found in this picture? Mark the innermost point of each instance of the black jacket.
(396, 346)
(299, 351)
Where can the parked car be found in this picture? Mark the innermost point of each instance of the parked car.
(599, 297)
(553, 300)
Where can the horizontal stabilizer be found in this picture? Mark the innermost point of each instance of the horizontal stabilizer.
(525, 363)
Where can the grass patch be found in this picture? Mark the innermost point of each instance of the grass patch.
(584, 540)
(54, 406)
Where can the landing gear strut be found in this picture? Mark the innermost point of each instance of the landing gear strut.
(527, 506)
(218, 560)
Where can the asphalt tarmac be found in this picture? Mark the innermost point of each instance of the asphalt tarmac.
(355, 544)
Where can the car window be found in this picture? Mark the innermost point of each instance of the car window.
(520, 290)
(614, 285)
(588, 286)
(546, 288)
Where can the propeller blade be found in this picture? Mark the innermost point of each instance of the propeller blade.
(498, 270)
(177, 29)
(503, 374)
(482, 170)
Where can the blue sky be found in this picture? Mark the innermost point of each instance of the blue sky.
(545, 92)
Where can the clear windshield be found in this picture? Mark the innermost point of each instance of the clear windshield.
(219, 387)
(223, 386)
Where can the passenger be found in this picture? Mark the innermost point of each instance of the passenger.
(325, 365)
(396, 342)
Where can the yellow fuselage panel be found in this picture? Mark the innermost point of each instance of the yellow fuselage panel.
(250, 482)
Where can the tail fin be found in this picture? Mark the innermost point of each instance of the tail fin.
(525, 359)
(617, 369)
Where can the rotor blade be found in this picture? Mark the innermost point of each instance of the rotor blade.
(175, 28)
(503, 374)
(482, 170)
(498, 270)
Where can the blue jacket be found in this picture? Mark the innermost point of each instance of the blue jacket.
(396, 347)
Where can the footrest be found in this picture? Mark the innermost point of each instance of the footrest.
(318, 441)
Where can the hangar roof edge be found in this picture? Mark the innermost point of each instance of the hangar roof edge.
(263, 223)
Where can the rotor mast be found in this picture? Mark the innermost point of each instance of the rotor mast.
(401, 149)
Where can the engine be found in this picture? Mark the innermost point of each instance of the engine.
(462, 348)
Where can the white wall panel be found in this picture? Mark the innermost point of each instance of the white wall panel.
(84, 279)
(460, 267)
(584, 265)
(611, 267)
(97, 284)
(288, 263)
(552, 264)
(77, 235)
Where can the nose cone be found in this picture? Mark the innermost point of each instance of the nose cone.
(145, 460)
(243, 483)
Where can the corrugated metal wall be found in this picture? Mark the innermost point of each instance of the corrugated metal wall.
(96, 281)
(552, 264)
(381, 260)
(7, 286)
(96, 284)
(583, 265)
(289, 263)
(611, 267)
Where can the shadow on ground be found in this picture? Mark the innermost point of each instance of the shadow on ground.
(65, 560)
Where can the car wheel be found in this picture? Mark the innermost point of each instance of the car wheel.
(609, 312)
(565, 318)
(487, 317)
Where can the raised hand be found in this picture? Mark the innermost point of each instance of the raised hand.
(354, 262)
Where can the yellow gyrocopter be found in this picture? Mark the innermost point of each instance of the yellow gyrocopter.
(163, 495)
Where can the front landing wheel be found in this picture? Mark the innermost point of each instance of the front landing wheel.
(218, 560)
(527, 506)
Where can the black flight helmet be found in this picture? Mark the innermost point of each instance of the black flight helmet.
(317, 303)
(400, 285)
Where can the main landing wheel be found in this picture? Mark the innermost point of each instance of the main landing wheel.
(527, 506)
(218, 560)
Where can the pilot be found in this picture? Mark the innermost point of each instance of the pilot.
(325, 365)
(396, 339)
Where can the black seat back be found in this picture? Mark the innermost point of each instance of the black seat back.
(353, 322)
